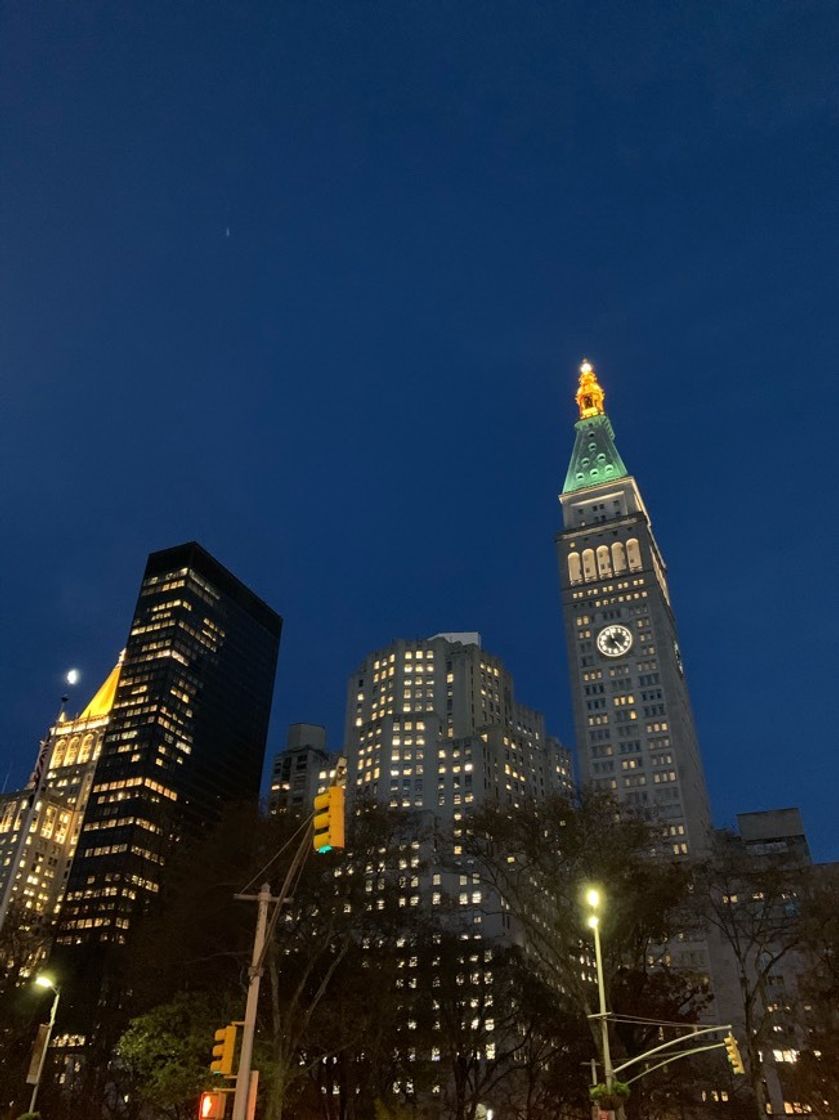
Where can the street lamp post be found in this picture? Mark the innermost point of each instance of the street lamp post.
(44, 982)
(593, 899)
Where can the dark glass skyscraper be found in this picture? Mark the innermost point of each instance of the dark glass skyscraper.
(187, 733)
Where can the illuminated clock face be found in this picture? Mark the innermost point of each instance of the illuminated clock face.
(614, 640)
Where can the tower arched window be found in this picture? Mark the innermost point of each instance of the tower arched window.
(72, 751)
(604, 561)
(633, 553)
(618, 557)
(58, 755)
(575, 569)
(589, 567)
(86, 748)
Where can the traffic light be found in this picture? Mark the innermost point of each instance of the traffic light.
(211, 1106)
(732, 1051)
(222, 1061)
(329, 820)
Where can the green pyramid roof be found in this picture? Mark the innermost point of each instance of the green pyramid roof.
(595, 458)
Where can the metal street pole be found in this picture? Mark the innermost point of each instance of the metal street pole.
(243, 1077)
(601, 992)
(41, 1063)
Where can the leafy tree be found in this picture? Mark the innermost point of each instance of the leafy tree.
(753, 903)
(538, 859)
(198, 936)
(197, 942)
(814, 1079)
(165, 1054)
(549, 1080)
(23, 943)
(354, 1030)
(501, 1034)
(332, 914)
(193, 938)
(467, 1017)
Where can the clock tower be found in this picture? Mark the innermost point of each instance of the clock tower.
(634, 725)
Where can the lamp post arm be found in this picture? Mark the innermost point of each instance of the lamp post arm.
(675, 1058)
(672, 1042)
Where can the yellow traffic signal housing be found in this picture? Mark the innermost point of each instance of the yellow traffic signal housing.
(211, 1106)
(225, 1044)
(329, 820)
(732, 1051)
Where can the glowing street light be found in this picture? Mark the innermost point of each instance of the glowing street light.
(593, 898)
(44, 981)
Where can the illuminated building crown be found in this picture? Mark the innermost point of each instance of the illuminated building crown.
(595, 458)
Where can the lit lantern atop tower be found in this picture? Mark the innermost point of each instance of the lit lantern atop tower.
(590, 395)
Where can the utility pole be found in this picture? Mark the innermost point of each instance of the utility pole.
(243, 1077)
(245, 1092)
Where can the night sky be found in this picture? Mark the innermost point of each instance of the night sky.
(310, 282)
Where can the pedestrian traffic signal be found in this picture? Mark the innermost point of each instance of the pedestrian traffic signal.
(211, 1106)
(329, 820)
(732, 1051)
(223, 1051)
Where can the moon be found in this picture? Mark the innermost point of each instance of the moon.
(73, 676)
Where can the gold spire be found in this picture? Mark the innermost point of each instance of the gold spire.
(103, 701)
(590, 395)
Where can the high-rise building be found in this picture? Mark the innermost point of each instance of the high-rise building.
(40, 825)
(186, 734)
(632, 713)
(302, 770)
(433, 729)
(433, 726)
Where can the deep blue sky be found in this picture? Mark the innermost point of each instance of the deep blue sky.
(361, 398)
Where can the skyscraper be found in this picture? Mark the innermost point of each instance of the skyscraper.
(632, 714)
(40, 825)
(302, 770)
(433, 726)
(433, 729)
(186, 733)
